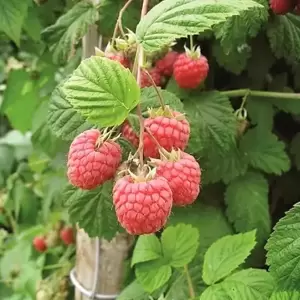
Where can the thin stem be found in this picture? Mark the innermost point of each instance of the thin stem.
(160, 98)
(189, 281)
(191, 42)
(264, 94)
(119, 21)
(153, 138)
(12, 221)
(140, 53)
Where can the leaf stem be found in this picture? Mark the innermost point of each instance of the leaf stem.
(264, 94)
(189, 281)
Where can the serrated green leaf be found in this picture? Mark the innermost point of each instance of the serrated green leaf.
(92, 210)
(180, 244)
(225, 255)
(63, 119)
(69, 29)
(247, 204)
(264, 151)
(214, 292)
(283, 250)
(284, 36)
(212, 115)
(147, 248)
(103, 91)
(13, 13)
(174, 19)
(150, 99)
(261, 112)
(32, 24)
(295, 150)
(285, 296)
(153, 274)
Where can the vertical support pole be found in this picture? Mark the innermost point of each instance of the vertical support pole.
(112, 254)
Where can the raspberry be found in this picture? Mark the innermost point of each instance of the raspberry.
(119, 57)
(67, 235)
(39, 244)
(183, 174)
(165, 65)
(190, 69)
(154, 73)
(89, 163)
(129, 134)
(281, 7)
(170, 132)
(142, 207)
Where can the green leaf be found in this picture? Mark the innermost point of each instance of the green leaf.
(211, 114)
(284, 36)
(63, 119)
(264, 151)
(174, 19)
(32, 24)
(13, 13)
(214, 292)
(92, 210)
(226, 254)
(283, 248)
(103, 91)
(150, 99)
(69, 29)
(21, 95)
(153, 274)
(147, 248)
(261, 112)
(295, 150)
(180, 244)
(247, 204)
(285, 296)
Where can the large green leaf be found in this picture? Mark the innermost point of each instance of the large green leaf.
(283, 248)
(103, 91)
(247, 204)
(212, 119)
(247, 284)
(180, 244)
(63, 119)
(285, 296)
(225, 255)
(147, 248)
(92, 210)
(264, 151)
(150, 99)
(69, 29)
(13, 13)
(284, 37)
(174, 19)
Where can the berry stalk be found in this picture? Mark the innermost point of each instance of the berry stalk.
(190, 283)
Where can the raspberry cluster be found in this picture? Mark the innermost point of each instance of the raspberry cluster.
(64, 233)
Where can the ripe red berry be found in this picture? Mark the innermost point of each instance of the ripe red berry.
(165, 65)
(119, 57)
(129, 134)
(169, 132)
(146, 81)
(39, 244)
(91, 161)
(190, 69)
(281, 7)
(142, 207)
(67, 235)
(183, 174)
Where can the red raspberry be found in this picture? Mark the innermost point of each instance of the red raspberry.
(145, 80)
(281, 7)
(183, 175)
(142, 207)
(169, 132)
(89, 164)
(67, 235)
(39, 244)
(119, 57)
(129, 134)
(190, 70)
(165, 65)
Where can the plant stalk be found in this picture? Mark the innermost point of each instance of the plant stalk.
(189, 281)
